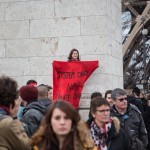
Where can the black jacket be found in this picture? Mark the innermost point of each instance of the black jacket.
(33, 114)
(146, 117)
(117, 139)
(132, 123)
(137, 102)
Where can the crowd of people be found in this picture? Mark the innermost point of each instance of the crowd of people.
(30, 120)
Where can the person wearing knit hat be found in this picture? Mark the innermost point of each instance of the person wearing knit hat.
(35, 109)
(28, 93)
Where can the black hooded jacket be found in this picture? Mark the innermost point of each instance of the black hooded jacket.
(33, 114)
(132, 123)
(146, 117)
(137, 102)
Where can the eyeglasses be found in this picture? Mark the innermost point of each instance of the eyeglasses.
(122, 99)
(104, 110)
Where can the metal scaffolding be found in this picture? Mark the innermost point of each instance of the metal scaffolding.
(136, 44)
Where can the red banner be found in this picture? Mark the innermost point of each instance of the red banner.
(69, 79)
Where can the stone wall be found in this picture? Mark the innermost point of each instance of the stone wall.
(33, 33)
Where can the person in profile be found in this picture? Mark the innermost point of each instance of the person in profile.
(74, 55)
(108, 97)
(12, 133)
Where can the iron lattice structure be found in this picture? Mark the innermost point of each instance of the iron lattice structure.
(136, 46)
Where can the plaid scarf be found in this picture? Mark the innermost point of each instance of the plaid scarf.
(99, 135)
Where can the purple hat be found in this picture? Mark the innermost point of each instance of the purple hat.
(28, 93)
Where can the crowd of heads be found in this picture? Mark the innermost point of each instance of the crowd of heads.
(62, 119)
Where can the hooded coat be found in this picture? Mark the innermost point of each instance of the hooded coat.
(33, 115)
(146, 118)
(132, 123)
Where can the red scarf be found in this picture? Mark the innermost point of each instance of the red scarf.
(5, 108)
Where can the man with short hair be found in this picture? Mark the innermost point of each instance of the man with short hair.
(134, 99)
(36, 108)
(50, 92)
(130, 118)
(12, 134)
(43, 98)
(31, 82)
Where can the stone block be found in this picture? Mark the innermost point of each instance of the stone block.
(16, 0)
(30, 47)
(116, 13)
(15, 66)
(85, 45)
(2, 48)
(117, 3)
(55, 27)
(116, 48)
(45, 80)
(117, 82)
(107, 64)
(1, 11)
(117, 66)
(85, 100)
(22, 80)
(29, 10)
(94, 25)
(70, 8)
(41, 66)
(14, 29)
(98, 82)
(84, 114)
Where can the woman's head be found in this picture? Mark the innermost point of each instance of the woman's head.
(74, 55)
(100, 110)
(62, 118)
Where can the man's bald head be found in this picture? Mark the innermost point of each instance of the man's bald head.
(42, 91)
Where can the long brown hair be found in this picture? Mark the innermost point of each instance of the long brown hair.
(70, 54)
(46, 135)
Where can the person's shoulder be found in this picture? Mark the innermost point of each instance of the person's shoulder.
(5, 120)
(134, 108)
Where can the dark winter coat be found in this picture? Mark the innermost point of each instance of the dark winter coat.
(117, 139)
(137, 102)
(146, 117)
(133, 124)
(33, 114)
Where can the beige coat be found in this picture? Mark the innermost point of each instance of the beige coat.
(12, 135)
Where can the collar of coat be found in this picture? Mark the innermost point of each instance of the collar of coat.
(84, 140)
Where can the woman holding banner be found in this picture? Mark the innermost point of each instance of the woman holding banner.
(74, 55)
(62, 129)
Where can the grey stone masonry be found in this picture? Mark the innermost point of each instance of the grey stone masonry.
(33, 33)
